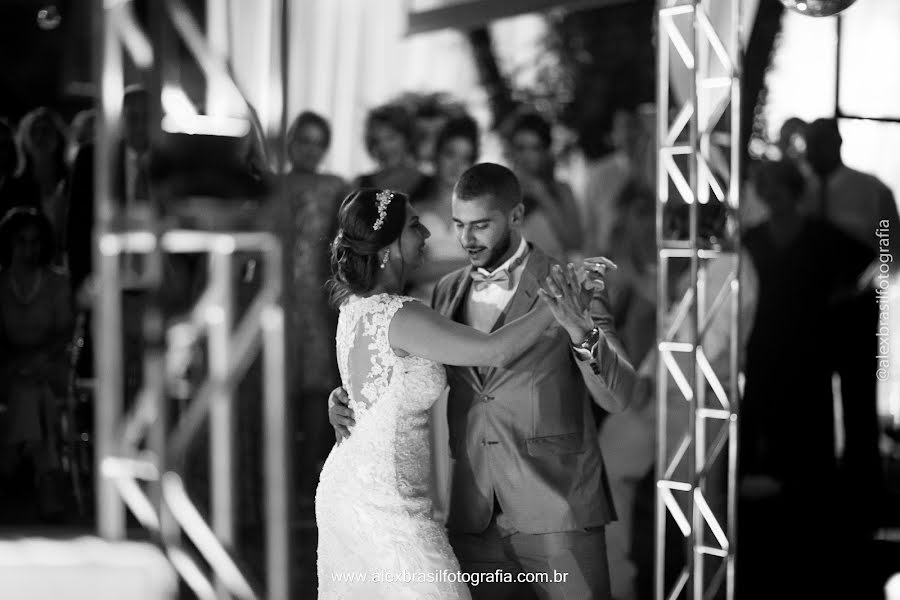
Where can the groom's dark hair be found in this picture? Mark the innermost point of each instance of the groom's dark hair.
(489, 179)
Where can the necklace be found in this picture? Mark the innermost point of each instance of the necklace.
(25, 298)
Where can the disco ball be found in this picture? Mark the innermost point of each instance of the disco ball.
(48, 17)
(817, 8)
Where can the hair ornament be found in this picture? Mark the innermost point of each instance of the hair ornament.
(383, 198)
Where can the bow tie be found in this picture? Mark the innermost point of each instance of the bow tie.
(500, 277)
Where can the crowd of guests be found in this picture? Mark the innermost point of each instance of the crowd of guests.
(36, 316)
(810, 482)
(47, 212)
(808, 230)
(811, 362)
(46, 220)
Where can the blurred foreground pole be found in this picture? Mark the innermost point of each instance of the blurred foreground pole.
(200, 227)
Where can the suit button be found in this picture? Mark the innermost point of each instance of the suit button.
(485, 397)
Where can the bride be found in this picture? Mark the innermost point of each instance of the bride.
(377, 538)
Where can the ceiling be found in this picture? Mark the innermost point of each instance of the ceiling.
(44, 66)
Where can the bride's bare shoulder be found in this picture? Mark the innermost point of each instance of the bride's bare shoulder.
(409, 319)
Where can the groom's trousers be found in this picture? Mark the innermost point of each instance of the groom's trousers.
(567, 565)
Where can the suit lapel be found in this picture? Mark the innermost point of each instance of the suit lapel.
(451, 308)
(525, 297)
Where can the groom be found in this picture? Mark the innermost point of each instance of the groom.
(529, 492)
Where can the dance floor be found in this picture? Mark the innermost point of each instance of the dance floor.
(19, 519)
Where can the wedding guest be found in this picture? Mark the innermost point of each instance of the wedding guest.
(311, 222)
(35, 325)
(608, 169)
(792, 140)
(456, 149)
(42, 135)
(551, 214)
(81, 132)
(790, 146)
(130, 196)
(390, 139)
(859, 205)
(130, 181)
(14, 189)
(627, 439)
(787, 447)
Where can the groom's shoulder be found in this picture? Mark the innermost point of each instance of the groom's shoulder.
(540, 262)
(450, 281)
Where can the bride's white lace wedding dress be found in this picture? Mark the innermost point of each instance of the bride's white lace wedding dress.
(377, 538)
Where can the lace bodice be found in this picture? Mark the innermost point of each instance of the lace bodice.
(362, 338)
(373, 506)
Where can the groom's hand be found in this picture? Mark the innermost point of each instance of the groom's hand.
(567, 301)
(340, 415)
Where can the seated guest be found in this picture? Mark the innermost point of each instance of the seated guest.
(35, 325)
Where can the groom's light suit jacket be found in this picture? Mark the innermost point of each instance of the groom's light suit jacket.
(526, 433)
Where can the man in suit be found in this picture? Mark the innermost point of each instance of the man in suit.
(129, 182)
(529, 494)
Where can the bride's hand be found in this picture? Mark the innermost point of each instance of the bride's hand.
(566, 300)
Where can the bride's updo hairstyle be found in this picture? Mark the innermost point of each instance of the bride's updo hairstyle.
(354, 251)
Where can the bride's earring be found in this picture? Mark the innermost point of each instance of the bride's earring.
(387, 255)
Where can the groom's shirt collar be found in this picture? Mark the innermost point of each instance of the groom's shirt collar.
(520, 251)
(485, 306)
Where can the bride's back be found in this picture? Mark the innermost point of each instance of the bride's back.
(367, 362)
(373, 507)
(389, 394)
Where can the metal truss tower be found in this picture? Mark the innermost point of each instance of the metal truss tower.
(140, 449)
(698, 138)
